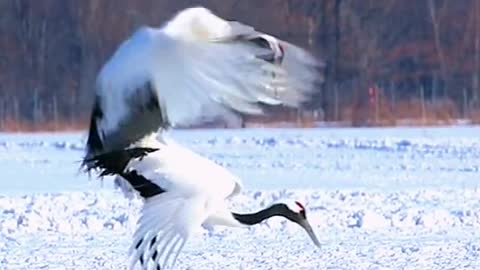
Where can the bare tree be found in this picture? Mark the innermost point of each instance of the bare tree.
(438, 46)
(476, 69)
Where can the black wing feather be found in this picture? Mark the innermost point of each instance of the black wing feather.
(145, 117)
(115, 162)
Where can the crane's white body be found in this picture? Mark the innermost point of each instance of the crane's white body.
(196, 189)
(176, 168)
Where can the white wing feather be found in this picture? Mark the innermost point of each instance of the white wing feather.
(170, 220)
(201, 64)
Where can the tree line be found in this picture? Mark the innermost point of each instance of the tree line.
(385, 60)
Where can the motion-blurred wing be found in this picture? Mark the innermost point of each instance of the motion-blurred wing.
(218, 67)
(198, 67)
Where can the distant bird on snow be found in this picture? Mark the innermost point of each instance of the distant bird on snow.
(195, 68)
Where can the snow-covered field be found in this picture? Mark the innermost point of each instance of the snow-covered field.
(398, 198)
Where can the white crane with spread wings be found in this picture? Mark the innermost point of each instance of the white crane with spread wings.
(195, 68)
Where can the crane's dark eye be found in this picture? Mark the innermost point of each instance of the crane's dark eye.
(302, 210)
(303, 214)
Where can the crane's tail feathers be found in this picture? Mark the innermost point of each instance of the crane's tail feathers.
(115, 162)
(94, 142)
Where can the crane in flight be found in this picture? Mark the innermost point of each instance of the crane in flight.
(194, 68)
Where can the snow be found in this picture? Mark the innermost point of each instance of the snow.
(380, 198)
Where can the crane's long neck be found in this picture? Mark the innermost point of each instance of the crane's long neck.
(274, 210)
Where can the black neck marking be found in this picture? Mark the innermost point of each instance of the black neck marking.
(145, 187)
(115, 162)
(274, 210)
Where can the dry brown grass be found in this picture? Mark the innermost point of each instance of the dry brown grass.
(474, 116)
(16, 126)
(410, 113)
(441, 113)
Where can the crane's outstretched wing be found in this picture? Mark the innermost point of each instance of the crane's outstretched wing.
(166, 223)
(172, 209)
(175, 199)
(197, 67)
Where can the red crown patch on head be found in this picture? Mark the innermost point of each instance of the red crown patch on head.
(302, 208)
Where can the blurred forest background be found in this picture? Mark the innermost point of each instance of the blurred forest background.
(388, 62)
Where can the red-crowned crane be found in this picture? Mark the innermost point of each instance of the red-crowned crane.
(196, 67)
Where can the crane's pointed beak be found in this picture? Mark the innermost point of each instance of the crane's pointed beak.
(306, 225)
